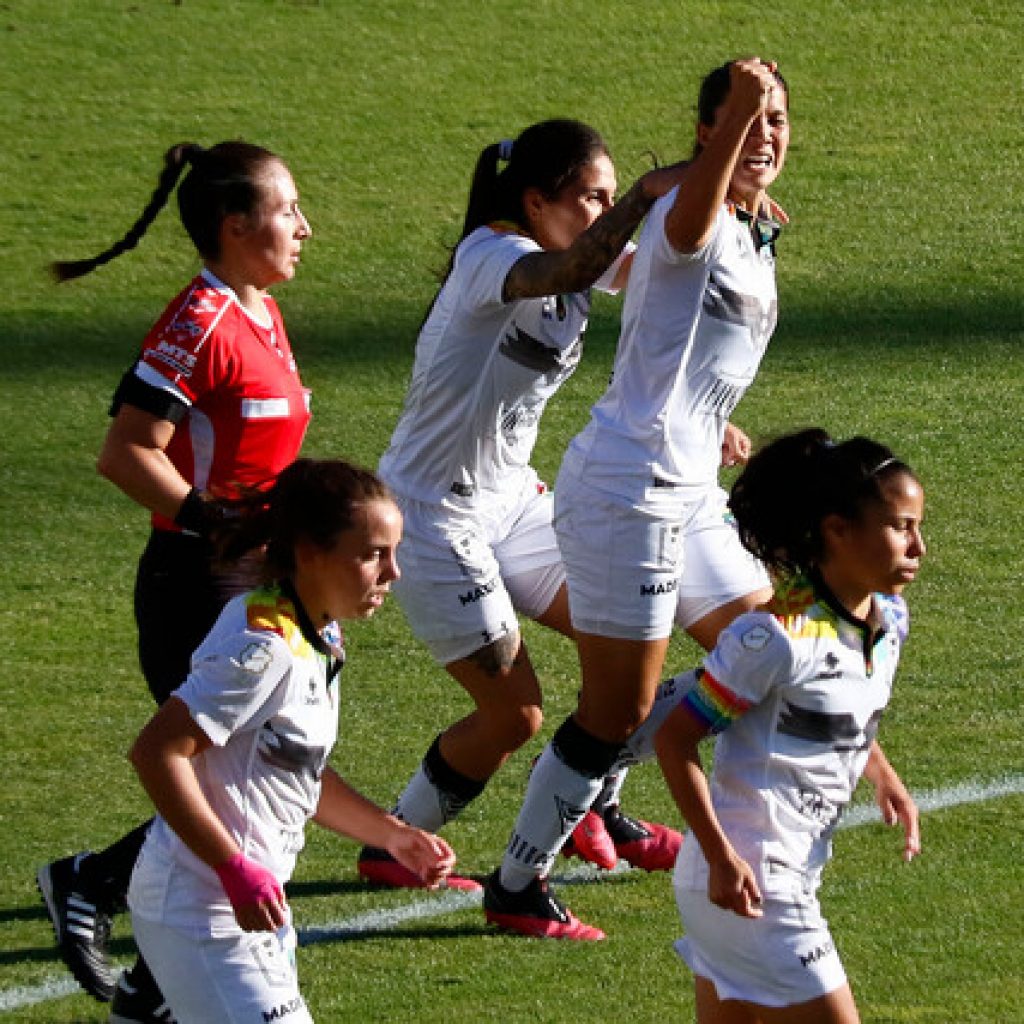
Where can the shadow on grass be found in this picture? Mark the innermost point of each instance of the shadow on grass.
(45, 340)
(119, 948)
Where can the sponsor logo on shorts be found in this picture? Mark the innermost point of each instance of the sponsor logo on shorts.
(819, 953)
(474, 595)
(282, 1010)
(654, 589)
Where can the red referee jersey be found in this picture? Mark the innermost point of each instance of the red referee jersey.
(247, 408)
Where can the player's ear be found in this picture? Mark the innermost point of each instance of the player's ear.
(533, 207)
(235, 225)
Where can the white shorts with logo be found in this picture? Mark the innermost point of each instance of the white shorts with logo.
(785, 957)
(633, 573)
(465, 576)
(248, 978)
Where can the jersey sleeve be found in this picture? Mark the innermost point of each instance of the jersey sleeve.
(663, 248)
(606, 282)
(182, 354)
(751, 658)
(235, 681)
(484, 260)
(164, 402)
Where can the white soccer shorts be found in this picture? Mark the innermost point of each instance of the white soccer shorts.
(464, 577)
(785, 957)
(248, 978)
(633, 573)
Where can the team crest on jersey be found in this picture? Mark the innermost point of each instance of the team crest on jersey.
(756, 639)
(255, 658)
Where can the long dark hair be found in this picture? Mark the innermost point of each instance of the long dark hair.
(547, 156)
(225, 179)
(312, 500)
(713, 91)
(789, 486)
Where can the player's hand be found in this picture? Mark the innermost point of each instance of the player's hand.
(661, 180)
(750, 84)
(898, 808)
(426, 855)
(256, 895)
(732, 886)
(735, 446)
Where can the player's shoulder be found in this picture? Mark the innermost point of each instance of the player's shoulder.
(799, 612)
(269, 611)
(196, 310)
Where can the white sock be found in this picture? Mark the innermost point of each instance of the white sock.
(557, 796)
(425, 806)
(609, 795)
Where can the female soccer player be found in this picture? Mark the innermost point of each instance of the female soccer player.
(236, 759)
(641, 522)
(503, 333)
(213, 403)
(794, 692)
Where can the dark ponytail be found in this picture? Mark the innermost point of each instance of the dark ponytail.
(313, 500)
(789, 486)
(547, 156)
(222, 180)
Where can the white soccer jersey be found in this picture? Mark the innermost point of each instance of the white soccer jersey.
(795, 693)
(694, 329)
(483, 373)
(263, 689)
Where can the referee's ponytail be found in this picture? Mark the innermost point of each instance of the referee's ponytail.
(222, 180)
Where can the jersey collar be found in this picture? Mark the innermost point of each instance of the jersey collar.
(335, 653)
(870, 631)
(763, 230)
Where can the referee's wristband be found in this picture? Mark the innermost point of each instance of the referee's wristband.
(196, 515)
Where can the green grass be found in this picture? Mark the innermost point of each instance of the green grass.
(901, 316)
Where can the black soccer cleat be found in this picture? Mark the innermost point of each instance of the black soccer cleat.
(140, 1003)
(81, 926)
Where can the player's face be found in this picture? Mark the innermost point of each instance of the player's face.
(885, 545)
(274, 233)
(764, 150)
(556, 223)
(353, 577)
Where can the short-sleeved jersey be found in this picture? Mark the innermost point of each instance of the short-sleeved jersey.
(795, 693)
(483, 373)
(246, 411)
(694, 329)
(263, 688)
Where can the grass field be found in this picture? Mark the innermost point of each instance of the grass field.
(902, 315)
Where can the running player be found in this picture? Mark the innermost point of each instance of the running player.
(503, 333)
(213, 403)
(794, 692)
(236, 759)
(641, 522)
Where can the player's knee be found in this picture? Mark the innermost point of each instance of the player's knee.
(498, 658)
(614, 725)
(524, 724)
(584, 752)
(512, 726)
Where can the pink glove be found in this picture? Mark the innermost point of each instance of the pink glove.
(246, 882)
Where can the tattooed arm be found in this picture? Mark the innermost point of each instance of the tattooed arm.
(571, 270)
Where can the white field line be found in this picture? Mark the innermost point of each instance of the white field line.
(58, 986)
